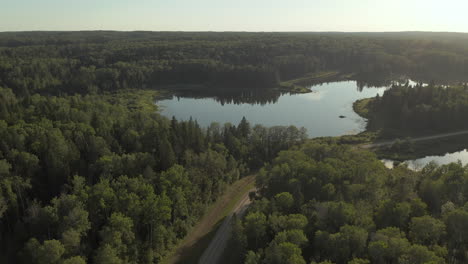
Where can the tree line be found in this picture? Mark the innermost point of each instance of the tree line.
(89, 62)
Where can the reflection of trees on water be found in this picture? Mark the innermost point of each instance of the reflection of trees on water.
(377, 80)
(362, 84)
(264, 96)
(421, 79)
(253, 97)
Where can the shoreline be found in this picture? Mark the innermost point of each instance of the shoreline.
(414, 145)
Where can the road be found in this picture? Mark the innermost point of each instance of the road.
(194, 244)
(215, 250)
(390, 142)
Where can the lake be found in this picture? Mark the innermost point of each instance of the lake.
(319, 112)
(440, 160)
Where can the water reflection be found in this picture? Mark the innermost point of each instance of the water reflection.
(235, 96)
(271, 96)
(362, 84)
(319, 112)
(445, 159)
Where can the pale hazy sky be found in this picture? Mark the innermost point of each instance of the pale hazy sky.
(235, 15)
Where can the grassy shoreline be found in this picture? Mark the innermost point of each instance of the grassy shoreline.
(361, 107)
(190, 249)
(297, 85)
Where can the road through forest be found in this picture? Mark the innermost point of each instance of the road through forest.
(219, 242)
(235, 197)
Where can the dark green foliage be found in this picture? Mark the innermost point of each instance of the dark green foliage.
(103, 179)
(90, 172)
(326, 203)
(88, 62)
(419, 109)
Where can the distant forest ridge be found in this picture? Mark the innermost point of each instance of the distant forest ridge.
(99, 35)
(92, 61)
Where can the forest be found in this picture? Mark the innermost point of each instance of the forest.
(91, 62)
(91, 172)
(327, 203)
(108, 180)
(420, 108)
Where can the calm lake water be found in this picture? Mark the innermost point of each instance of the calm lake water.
(440, 160)
(319, 112)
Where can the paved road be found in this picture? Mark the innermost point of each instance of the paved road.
(390, 142)
(216, 248)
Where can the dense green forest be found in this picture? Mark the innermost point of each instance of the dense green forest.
(90, 172)
(328, 203)
(106, 179)
(64, 62)
(420, 108)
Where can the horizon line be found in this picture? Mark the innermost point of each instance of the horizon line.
(229, 31)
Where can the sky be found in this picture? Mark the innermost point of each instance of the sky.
(235, 15)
